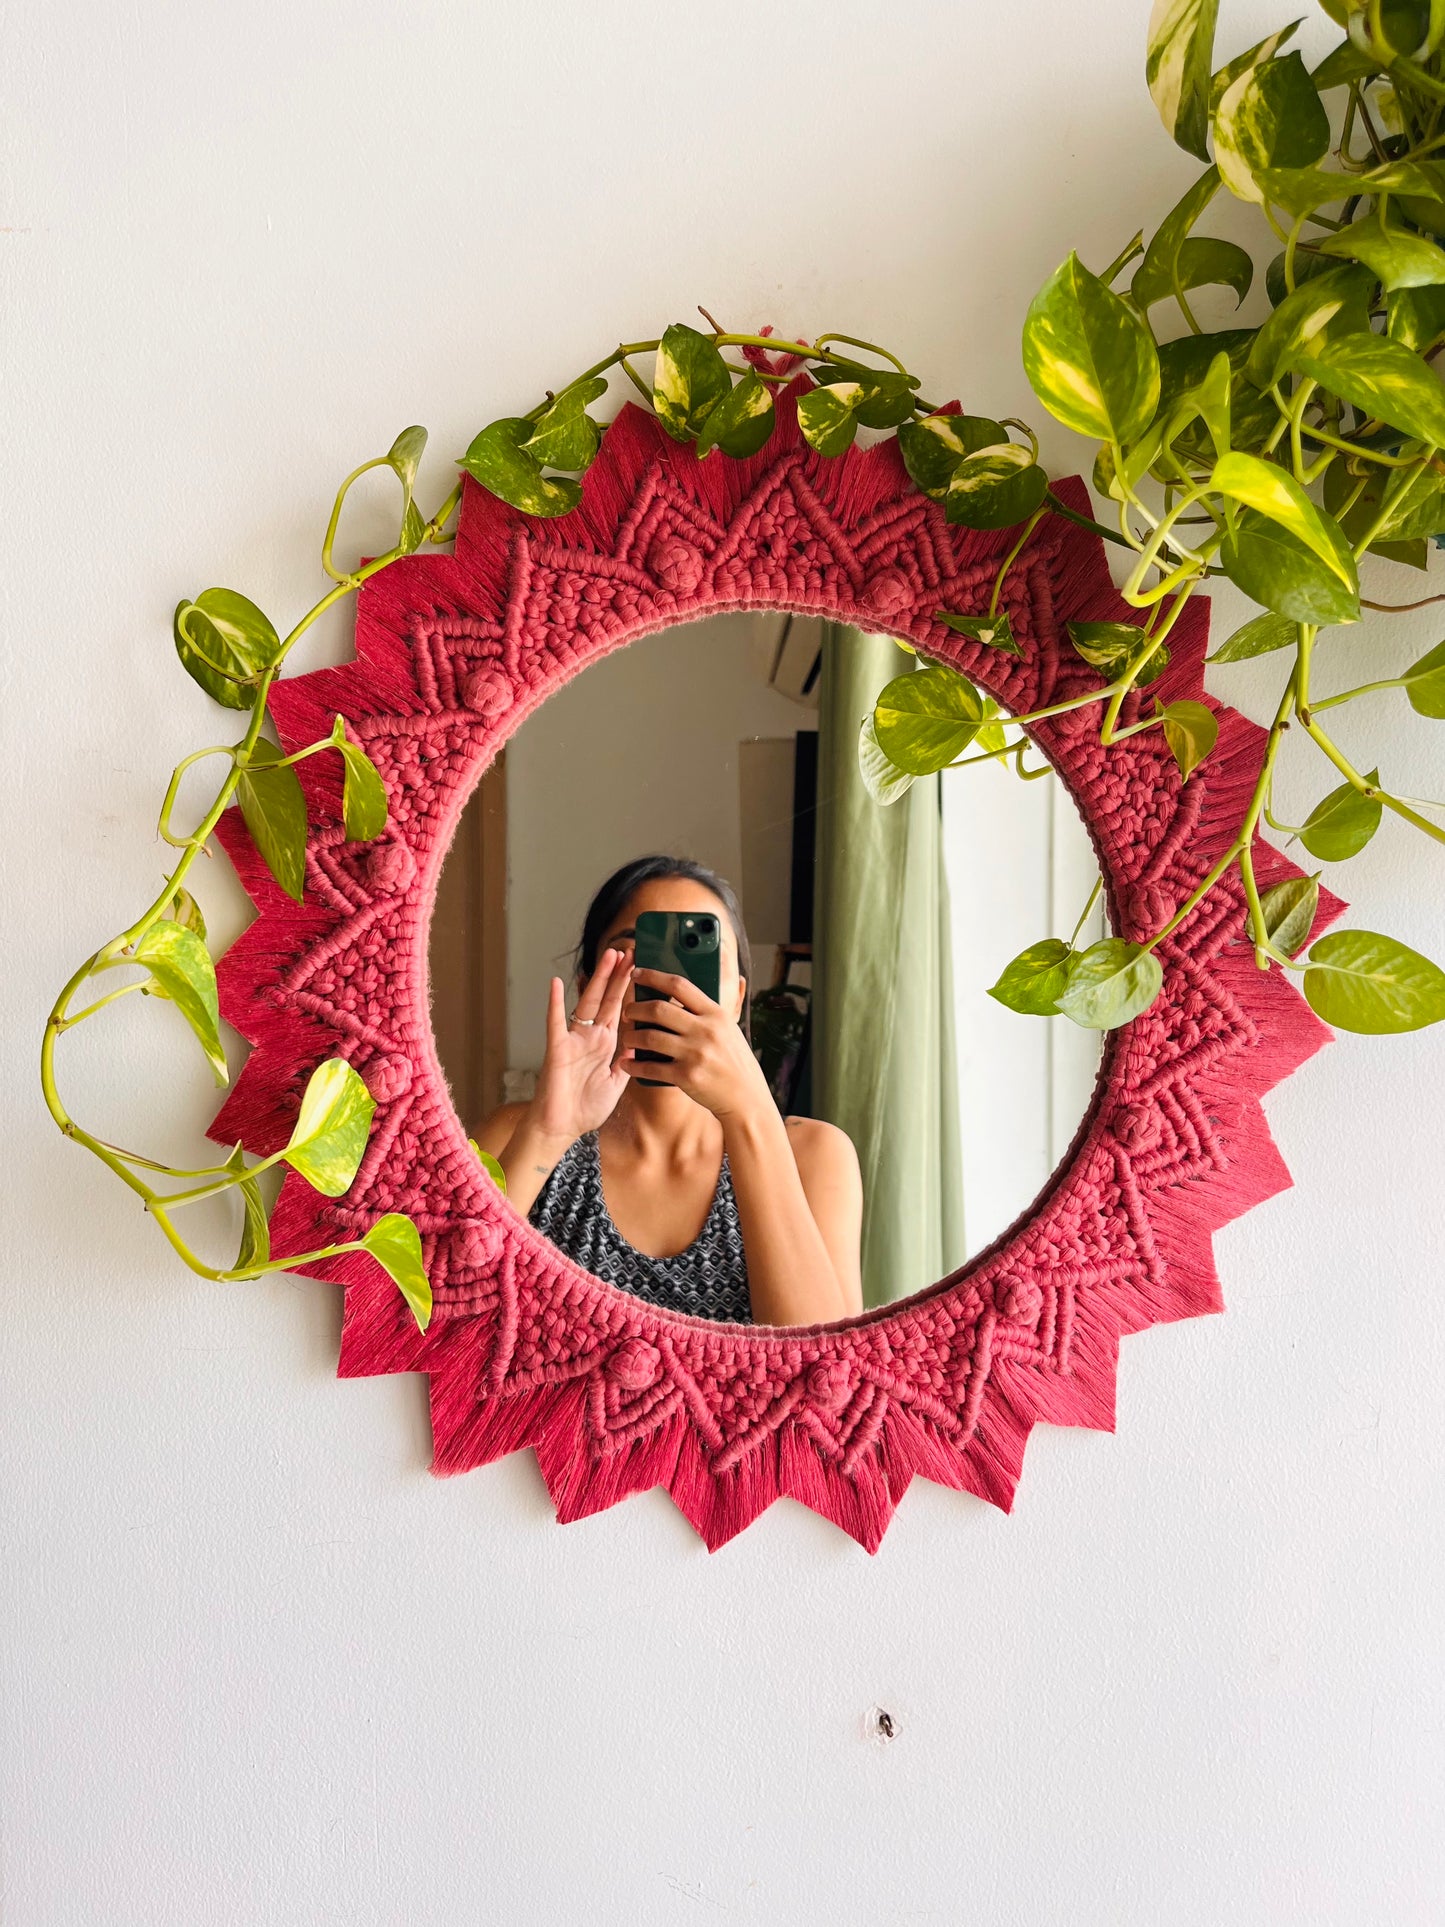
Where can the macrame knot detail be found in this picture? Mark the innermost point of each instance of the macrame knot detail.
(388, 866)
(1137, 1127)
(635, 1365)
(1150, 908)
(676, 564)
(887, 593)
(1021, 1299)
(487, 691)
(829, 1384)
(388, 1078)
(477, 1245)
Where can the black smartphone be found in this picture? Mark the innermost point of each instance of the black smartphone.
(686, 943)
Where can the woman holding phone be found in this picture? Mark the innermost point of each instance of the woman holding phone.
(653, 1153)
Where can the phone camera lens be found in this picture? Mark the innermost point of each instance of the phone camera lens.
(691, 940)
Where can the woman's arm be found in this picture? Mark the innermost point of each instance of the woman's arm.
(800, 1232)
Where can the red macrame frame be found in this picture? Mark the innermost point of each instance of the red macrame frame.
(453, 652)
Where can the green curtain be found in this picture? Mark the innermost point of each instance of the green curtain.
(884, 1065)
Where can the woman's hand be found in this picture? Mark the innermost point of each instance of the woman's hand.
(707, 1055)
(579, 1084)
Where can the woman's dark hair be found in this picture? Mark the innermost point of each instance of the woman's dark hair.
(612, 899)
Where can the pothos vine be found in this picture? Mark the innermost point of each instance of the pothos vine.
(1294, 449)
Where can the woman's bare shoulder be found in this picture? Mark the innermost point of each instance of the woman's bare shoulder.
(821, 1147)
(494, 1133)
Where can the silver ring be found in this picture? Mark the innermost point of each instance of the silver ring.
(584, 1021)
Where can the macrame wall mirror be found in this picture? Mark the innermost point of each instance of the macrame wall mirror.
(771, 656)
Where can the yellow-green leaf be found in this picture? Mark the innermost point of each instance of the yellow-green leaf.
(924, 719)
(226, 644)
(499, 459)
(1191, 731)
(828, 417)
(1425, 683)
(1110, 983)
(274, 807)
(363, 794)
(180, 965)
(1359, 980)
(1033, 983)
(1342, 823)
(490, 1165)
(329, 1140)
(1257, 637)
(882, 778)
(1269, 490)
(1289, 912)
(1397, 257)
(395, 1243)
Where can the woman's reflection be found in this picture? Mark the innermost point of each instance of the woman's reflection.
(691, 1191)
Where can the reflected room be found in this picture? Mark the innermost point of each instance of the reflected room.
(722, 1017)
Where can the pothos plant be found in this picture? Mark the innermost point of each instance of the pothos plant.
(1280, 456)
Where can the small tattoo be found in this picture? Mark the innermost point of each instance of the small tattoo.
(543, 1170)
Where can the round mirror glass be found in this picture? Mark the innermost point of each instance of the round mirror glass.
(837, 1113)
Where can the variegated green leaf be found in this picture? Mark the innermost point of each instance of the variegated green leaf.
(689, 379)
(1114, 647)
(828, 417)
(1277, 570)
(933, 448)
(1382, 379)
(254, 1253)
(996, 488)
(225, 643)
(329, 1140)
(1178, 67)
(1269, 490)
(741, 422)
(1397, 257)
(1174, 262)
(180, 965)
(405, 456)
(1262, 50)
(1088, 356)
(1329, 305)
(498, 458)
(995, 632)
(885, 395)
(1257, 637)
(1270, 117)
(566, 435)
(1417, 317)
(924, 720)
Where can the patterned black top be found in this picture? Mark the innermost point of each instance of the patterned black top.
(708, 1280)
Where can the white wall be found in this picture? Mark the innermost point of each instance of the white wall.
(258, 1668)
